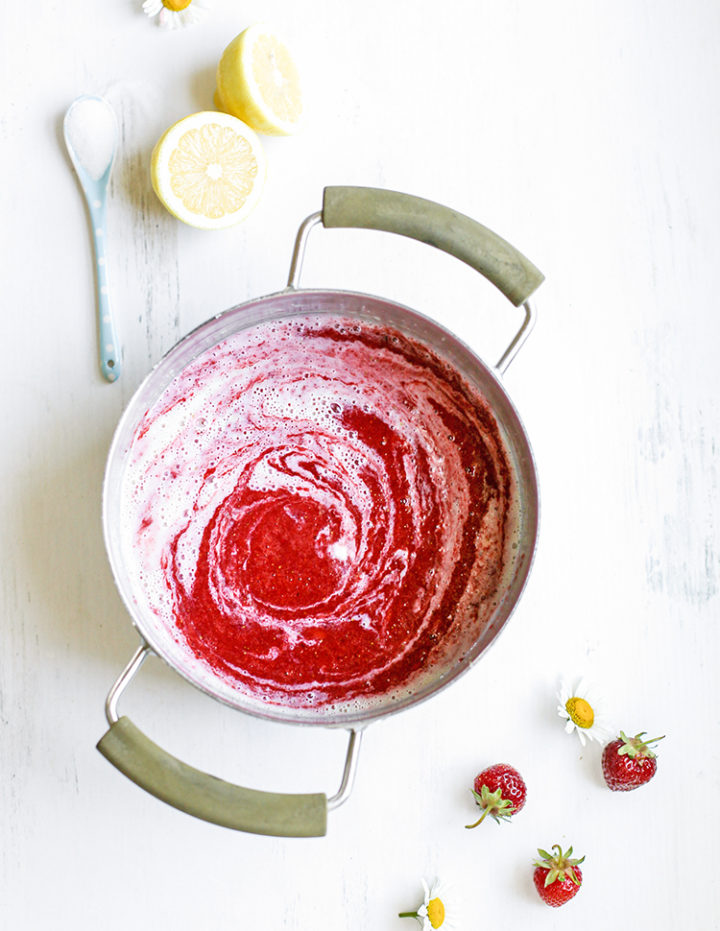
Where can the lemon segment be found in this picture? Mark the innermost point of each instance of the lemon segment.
(258, 82)
(208, 170)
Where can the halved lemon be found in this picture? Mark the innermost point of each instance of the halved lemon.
(258, 82)
(208, 169)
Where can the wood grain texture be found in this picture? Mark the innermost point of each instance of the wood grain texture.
(585, 135)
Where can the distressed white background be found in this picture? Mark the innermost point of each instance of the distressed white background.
(588, 135)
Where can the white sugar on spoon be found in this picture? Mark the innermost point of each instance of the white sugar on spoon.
(91, 136)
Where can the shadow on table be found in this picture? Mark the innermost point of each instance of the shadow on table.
(59, 545)
(202, 88)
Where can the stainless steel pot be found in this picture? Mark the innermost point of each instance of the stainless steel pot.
(124, 745)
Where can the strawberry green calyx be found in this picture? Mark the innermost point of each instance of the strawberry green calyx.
(493, 804)
(636, 747)
(560, 866)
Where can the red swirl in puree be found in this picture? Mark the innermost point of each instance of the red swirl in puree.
(320, 511)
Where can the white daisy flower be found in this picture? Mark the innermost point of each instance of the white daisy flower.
(436, 911)
(582, 712)
(174, 14)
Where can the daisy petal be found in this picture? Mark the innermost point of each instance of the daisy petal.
(168, 18)
(583, 713)
(437, 910)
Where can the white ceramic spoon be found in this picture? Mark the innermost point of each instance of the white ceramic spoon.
(91, 135)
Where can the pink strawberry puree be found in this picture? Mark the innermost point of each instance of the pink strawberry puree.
(319, 510)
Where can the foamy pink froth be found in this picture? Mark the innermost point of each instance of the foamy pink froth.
(319, 509)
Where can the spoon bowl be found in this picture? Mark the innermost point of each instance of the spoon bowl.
(91, 135)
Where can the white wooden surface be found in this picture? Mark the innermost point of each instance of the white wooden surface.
(588, 135)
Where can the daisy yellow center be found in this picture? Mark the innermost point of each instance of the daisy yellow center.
(580, 711)
(176, 5)
(436, 912)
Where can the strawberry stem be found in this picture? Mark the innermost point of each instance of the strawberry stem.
(479, 820)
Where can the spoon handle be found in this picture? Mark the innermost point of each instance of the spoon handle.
(109, 348)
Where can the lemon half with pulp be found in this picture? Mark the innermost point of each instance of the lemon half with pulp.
(258, 82)
(208, 169)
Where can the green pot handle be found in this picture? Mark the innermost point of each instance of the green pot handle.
(207, 797)
(436, 225)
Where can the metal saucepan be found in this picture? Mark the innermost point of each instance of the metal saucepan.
(124, 745)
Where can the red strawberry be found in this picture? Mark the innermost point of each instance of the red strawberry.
(500, 791)
(628, 762)
(557, 878)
